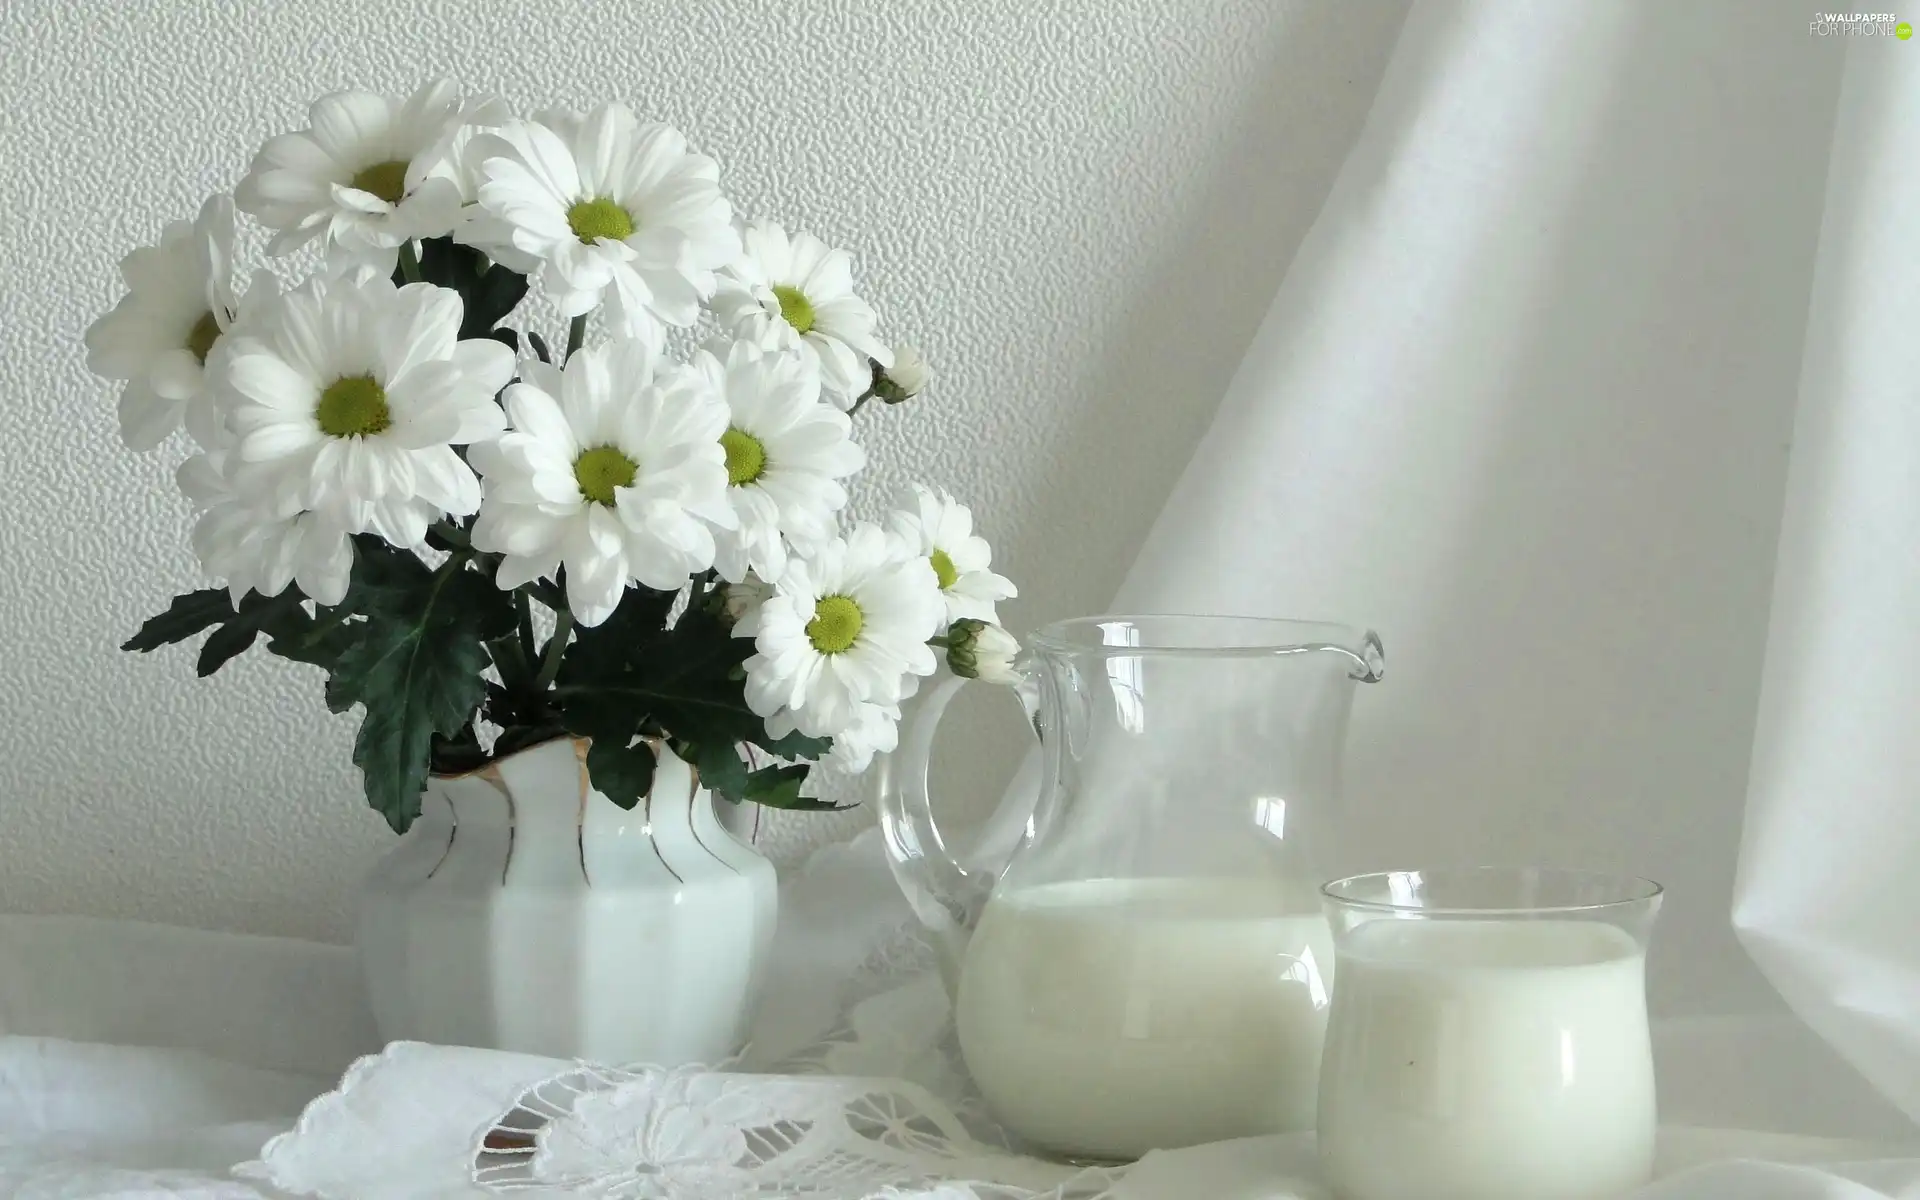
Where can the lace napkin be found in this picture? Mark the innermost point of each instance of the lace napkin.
(438, 1121)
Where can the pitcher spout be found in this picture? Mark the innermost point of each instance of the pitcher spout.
(1368, 658)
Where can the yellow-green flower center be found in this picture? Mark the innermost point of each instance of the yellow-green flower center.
(943, 569)
(795, 308)
(200, 339)
(601, 470)
(836, 623)
(354, 407)
(746, 456)
(600, 218)
(387, 180)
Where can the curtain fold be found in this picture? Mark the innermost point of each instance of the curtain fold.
(1525, 404)
(1828, 896)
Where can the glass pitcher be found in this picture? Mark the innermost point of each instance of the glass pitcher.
(1148, 965)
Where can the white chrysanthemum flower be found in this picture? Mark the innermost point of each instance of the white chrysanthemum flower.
(905, 379)
(369, 173)
(797, 293)
(936, 525)
(845, 625)
(458, 163)
(874, 729)
(613, 209)
(350, 398)
(253, 550)
(178, 307)
(786, 453)
(611, 470)
(743, 599)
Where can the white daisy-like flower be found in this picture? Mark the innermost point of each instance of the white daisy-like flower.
(612, 470)
(797, 293)
(740, 600)
(612, 208)
(845, 625)
(905, 379)
(179, 305)
(458, 163)
(936, 525)
(350, 398)
(874, 729)
(786, 453)
(369, 173)
(253, 550)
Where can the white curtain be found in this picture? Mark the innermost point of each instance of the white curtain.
(1596, 390)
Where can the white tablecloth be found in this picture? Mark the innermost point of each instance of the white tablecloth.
(139, 1060)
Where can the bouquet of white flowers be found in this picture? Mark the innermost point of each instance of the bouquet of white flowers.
(389, 478)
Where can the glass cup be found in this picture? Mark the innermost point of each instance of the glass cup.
(1488, 1037)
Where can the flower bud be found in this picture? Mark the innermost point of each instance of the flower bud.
(977, 650)
(905, 379)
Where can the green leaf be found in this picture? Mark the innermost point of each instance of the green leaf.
(488, 292)
(257, 614)
(524, 737)
(385, 579)
(719, 766)
(539, 345)
(458, 754)
(621, 641)
(227, 643)
(779, 787)
(794, 747)
(416, 671)
(186, 616)
(319, 642)
(621, 773)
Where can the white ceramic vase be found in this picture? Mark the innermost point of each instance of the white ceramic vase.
(525, 911)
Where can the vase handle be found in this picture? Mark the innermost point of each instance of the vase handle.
(945, 893)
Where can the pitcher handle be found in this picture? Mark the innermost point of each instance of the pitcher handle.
(946, 894)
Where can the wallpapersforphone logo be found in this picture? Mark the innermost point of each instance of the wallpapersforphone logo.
(1836, 24)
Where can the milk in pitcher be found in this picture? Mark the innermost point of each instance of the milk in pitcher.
(1104, 1018)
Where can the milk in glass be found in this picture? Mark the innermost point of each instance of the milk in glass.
(1489, 1059)
(1104, 1018)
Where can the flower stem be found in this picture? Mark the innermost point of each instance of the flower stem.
(862, 401)
(452, 533)
(524, 608)
(556, 645)
(576, 333)
(409, 262)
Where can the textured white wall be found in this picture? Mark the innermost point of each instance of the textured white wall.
(1079, 208)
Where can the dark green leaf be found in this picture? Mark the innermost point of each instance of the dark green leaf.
(779, 787)
(488, 292)
(186, 616)
(637, 624)
(539, 345)
(794, 747)
(416, 670)
(385, 580)
(621, 773)
(318, 644)
(226, 644)
(719, 766)
(458, 754)
(257, 614)
(524, 737)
